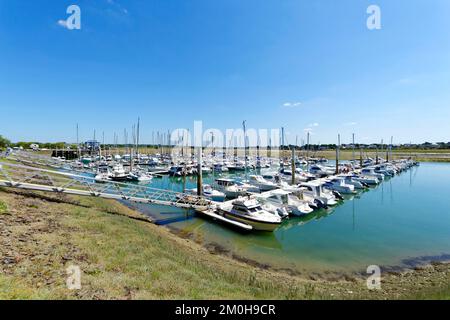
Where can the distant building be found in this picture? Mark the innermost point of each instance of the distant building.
(92, 145)
(34, 146)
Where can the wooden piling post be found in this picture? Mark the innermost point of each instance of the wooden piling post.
(360, 157)
(337, 153)
(293, 166)
(199, 172)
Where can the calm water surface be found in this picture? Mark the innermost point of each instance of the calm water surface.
(406, 217)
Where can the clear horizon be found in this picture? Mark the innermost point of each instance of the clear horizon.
(305, 66)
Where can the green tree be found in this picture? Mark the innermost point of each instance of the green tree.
(4, 142)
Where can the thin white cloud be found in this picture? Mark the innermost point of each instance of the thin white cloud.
(62, 23)
(117, 6)
(350, 124)
(315, 124)
(292, 104)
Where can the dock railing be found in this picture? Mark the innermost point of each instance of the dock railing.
(39, 179)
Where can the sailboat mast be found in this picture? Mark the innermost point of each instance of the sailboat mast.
(337, 153)
(353, 151)
(245, 149)
(137, 137)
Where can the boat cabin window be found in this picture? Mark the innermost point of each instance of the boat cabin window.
(318, 190)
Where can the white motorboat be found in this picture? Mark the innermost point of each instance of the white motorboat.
(386, 170)
(275, 209)
(219, 168)
(210, 193)
(247, 186)
(320, 171)
(355, 183)
(368, 162)
(371, 173)
(338, 184)
(206, 170)
(230, 188)
(293, 204)
(273, 177)
(369, 180)
(250, 211)
(261, 183)
(103, 173)
(153, 162)
(301, 162)
(260, 164)
(300, 175)
(236, 167)
(178, 171)
(139, 176)
(316, 190)
(118, 173)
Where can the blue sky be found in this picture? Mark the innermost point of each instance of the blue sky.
(304, 65)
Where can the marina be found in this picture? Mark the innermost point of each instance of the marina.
(260, 215)
(401, 223)
(225, 151)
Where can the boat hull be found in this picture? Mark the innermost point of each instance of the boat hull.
(119, 178)
(256, 225)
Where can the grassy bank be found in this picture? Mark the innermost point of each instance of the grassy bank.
(122, 256)
(3, 207)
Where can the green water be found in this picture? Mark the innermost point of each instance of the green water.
(402, 222)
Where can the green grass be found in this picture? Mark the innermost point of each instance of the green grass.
(12, 288)
(3, 207)
(152, 266)
(440, 293)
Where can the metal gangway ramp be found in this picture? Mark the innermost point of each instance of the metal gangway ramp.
(32, 178)
(34, 159)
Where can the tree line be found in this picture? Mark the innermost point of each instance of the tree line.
(4, 143)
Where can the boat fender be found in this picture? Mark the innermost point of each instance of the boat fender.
(338, 195)
(319, 204)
